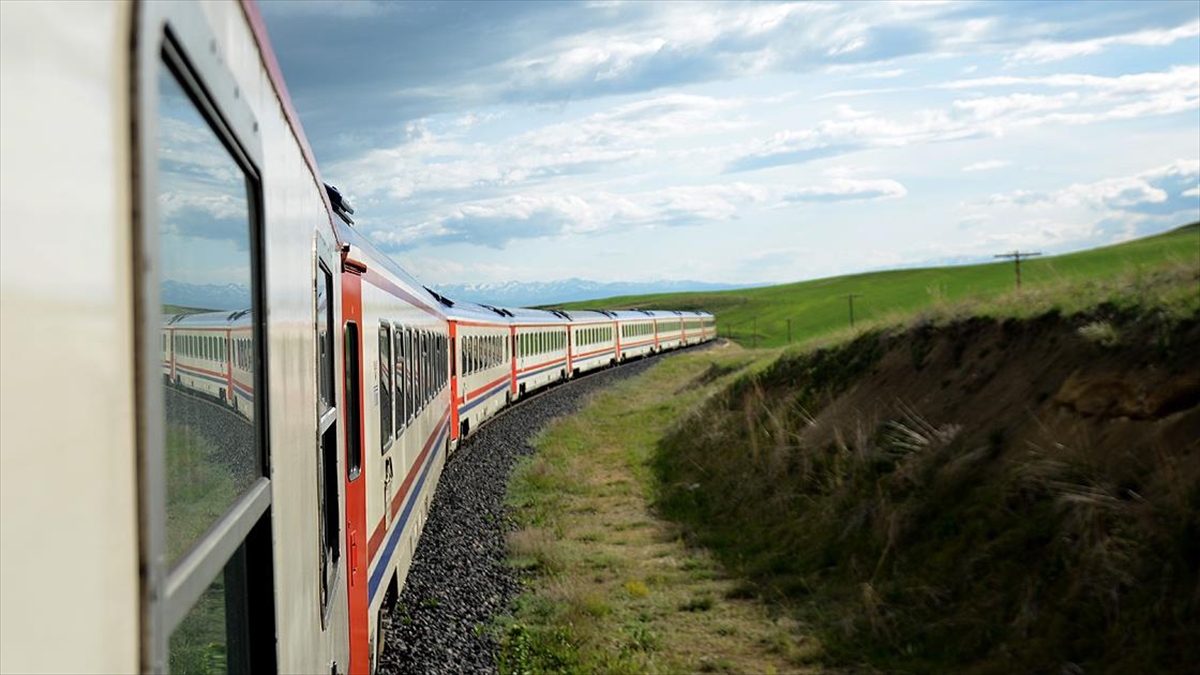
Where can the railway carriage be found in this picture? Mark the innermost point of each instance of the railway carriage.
(593, 340)
(635, 334)
(696, 327)
(541, 351)
(483, 365)
(668, 330)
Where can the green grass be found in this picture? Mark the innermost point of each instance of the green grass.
(759, 317)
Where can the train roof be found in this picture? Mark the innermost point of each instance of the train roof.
(461, 310)
(590, 315)
(522, 316)
(222, 319)
(631, 314)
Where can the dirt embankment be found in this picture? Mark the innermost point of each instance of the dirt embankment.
(1117, 384)
(985, 497)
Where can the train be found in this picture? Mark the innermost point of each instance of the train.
(234, 488)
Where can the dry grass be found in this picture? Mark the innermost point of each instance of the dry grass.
(614, 588)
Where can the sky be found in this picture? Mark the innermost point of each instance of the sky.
(744, 143)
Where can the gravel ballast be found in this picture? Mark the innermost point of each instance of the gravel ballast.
(458, 582)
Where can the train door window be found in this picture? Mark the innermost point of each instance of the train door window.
(353, 384)
(205, 485)
(385, 387)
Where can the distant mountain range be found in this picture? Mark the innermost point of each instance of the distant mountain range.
(206, 296)
(518, 294)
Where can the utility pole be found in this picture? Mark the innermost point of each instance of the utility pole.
(1016, 257)
(789, 331)
(756, 332)
(851, 298)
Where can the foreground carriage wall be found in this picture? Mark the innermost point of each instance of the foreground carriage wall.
(67, 437)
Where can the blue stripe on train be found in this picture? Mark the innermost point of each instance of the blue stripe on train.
(398, 528)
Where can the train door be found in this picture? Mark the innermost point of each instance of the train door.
(205, 497)
(355, 483)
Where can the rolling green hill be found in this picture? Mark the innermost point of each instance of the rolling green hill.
(760, 316)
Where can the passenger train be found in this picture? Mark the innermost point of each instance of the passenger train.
(234, 488)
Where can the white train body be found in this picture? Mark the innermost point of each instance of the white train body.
(593, 340)
(483, 369)
(541, 351)
(237, 482)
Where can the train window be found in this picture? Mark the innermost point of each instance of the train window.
(426, 366)
(411, 389)
(399, 338)
(203, 448)
(212, 454)
(385, 387)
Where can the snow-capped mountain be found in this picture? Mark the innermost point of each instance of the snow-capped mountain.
(529, 294)
(206, 296)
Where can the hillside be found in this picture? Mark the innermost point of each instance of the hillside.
(759, 317)
(986, 496)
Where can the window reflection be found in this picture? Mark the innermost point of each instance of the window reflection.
(200, 643)
(208, 328)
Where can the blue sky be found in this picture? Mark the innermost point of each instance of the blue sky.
(747, 142)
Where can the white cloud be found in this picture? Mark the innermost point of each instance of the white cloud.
(847, 189)
(1042, 52)
(497, 222)
(433, 163)
(987, 165)
(1142, 192)
(1099, 99)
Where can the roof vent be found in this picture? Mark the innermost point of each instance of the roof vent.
(341, 206)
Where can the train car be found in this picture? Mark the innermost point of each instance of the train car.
(212, 539)
(635, 334)
(593, 340)
(668, 330)
(210, 353)
(398, 356)
(483, 364)
(541, 348)
(697, 327)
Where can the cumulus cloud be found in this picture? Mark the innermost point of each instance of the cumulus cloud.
(1097, 99)
(429, 162)
(495, 223)
(1160, 191)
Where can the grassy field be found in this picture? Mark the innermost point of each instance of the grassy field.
(759, 317)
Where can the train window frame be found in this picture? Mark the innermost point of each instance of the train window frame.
(177, 38)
